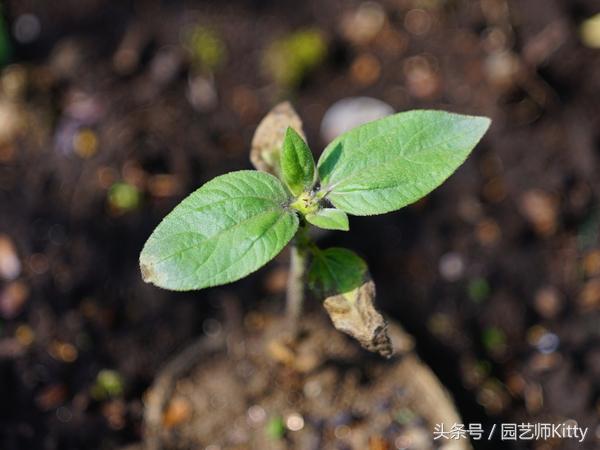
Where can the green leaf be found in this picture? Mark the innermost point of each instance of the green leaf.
(329, 219)
(342, 276)
(336, 271)
(225, 230)
(392, 162)
(297, 163)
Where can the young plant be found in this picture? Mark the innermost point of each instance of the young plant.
(236, 223)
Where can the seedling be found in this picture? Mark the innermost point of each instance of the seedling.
(123, 197)
(290, 59)
(236, 223)
(206, 49)
(109, 384)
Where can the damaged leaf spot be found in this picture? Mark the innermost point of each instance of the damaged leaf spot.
(342, 277)
(147, 273)
(354, 313)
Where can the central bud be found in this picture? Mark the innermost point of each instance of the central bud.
(306, 203)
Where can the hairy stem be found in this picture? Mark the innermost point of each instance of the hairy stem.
(296, 280)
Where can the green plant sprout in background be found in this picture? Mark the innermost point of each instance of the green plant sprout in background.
(123, 197)
(236, 223)
(206, 48)
(291, 58)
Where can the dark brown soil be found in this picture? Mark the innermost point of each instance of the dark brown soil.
(496, 274)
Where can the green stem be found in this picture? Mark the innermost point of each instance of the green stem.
(296, 279)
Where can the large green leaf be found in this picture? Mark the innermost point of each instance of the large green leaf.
(392, 162)
(297, 163)
(225, 230)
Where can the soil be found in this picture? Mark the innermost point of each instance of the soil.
(319, 391)
(496, 274)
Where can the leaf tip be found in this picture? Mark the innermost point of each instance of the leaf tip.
(483, 124)
(289, 131)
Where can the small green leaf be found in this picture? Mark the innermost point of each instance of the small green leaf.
(329, 219)
(342, 276)
(267, 142)
(275, 428)
(336, 270)
(392, 162)
(227, 229)
(297, 163)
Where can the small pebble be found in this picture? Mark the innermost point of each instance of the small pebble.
(12, 122)
(85, 143)
(351, 112)
(415, 438)
(312, 388)
(51, 397)
(65, 58)
(422, 78)
(10, 265)
(365, 69)
(63, 351)
(165, 65)
(451, 266)
(342, 431)
(548, 343)
(202, 94)
(179, 411)
(502, 68)
(13, 297)
(163, 185)
(417, 21)
(13, 82)
(114, 412)
(38, 263)
(589, 298)
(294, 422)
(378, 443)
(256, 415)
(25, 335)
(211, 327)
(548, 302)
(591, 263)
(492, 397)
(488, 232)
(26, 28)
(541, 210)
(362, 25)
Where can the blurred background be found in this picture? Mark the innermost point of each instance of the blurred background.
(111, 112)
